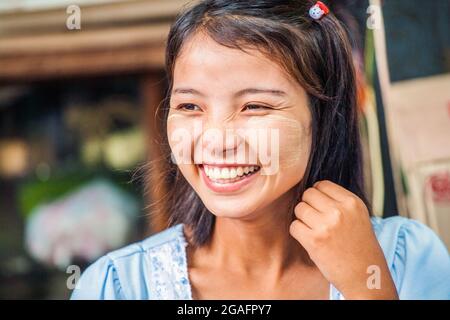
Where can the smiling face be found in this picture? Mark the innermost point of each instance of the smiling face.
(238, 126)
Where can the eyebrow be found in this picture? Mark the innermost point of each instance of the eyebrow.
(275, 92)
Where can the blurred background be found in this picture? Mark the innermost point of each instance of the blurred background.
(80, 86)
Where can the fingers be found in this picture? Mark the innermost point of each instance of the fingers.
(318, 200)
(308, 215)
(300, 232)
(346, 199)
(333, 190)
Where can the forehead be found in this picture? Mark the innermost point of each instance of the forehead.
(204, 60)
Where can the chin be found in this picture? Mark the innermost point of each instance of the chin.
(240, 208)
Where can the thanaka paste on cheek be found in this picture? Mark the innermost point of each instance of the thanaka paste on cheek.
(181, 133)
(293, 139)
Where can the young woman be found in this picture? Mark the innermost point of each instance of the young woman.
(282, 215)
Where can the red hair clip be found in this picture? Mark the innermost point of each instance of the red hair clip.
(318, 10)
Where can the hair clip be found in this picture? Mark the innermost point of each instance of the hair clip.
(318, 10)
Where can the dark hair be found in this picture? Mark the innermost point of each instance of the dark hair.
(315, 53)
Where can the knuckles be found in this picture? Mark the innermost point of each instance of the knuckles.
(352, 202)
(336, 219)
(330, 226)
(324, 233)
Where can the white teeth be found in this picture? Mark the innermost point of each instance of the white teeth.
(233, 173)
(228, 173)
(225, 173)
(216, 174)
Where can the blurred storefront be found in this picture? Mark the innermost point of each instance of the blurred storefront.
(76, 114)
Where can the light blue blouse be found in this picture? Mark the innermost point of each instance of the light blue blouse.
(156, 268)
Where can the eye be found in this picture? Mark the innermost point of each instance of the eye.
(256, 107)
(189, 107)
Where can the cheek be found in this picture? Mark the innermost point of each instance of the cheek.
(290, 148)
(181, 132)
(295, 145)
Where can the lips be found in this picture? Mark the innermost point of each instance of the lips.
(228, 178)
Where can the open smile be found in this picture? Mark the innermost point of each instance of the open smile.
(228, 177)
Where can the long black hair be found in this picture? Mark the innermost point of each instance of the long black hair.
(316, 53)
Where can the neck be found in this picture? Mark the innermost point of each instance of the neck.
(259, 244)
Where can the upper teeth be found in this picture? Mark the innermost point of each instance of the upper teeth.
(228, 173)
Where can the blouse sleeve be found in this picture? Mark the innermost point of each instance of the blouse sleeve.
(99, 282)
(422, 263)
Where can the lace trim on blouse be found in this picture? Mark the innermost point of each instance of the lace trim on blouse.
(169, 269)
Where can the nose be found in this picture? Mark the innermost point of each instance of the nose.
(220, 143)
(224, 138)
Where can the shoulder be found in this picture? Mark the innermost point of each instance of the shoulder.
(128, 273)
(418, 260)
